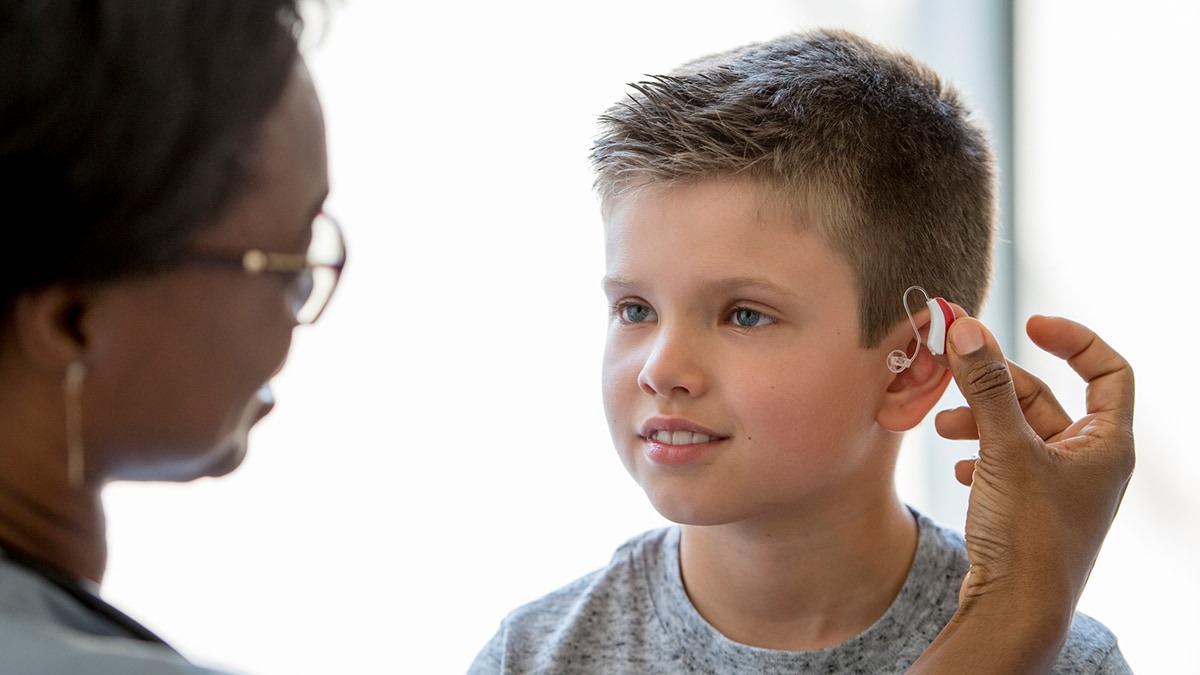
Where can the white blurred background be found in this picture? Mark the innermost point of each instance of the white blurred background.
(439, 456)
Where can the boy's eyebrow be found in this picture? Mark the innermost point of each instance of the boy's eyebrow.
(725, 286)
(610, 282)
(715, 287)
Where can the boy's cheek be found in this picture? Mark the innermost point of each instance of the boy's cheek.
(622, 362)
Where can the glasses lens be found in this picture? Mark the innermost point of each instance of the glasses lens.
(327, 254)
(322, 282)
(326, 247)
(302, 295)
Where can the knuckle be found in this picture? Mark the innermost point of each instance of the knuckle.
(988, 378)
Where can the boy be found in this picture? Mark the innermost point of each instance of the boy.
(765, 210)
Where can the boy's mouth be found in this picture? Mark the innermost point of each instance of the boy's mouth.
(680, 437)
(677, 442)
(677, 431)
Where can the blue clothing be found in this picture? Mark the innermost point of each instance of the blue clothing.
(634, 616)
(54, 626)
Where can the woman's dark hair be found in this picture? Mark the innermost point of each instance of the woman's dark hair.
(124, 128)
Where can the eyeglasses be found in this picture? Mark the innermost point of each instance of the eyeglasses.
(316, 272)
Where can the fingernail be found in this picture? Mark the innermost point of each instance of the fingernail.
(966, 338)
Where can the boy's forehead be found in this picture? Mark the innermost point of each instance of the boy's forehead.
(720, 233)
(711, 205)
(758, 201)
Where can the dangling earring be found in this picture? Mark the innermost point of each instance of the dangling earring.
(73, 393)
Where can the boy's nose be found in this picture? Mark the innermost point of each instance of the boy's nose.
(674, 366)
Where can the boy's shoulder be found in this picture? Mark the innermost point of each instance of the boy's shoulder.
(624, 583)
(598, 623)
(635, 616)
(1091, 648)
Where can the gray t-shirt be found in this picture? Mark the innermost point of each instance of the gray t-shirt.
(635, 617)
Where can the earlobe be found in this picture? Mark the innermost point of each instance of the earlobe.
(48, 327)
(913, 392)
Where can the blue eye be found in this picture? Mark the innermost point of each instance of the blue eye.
(635, 313)
(749, 318)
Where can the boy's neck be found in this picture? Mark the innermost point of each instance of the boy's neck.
(799, 586)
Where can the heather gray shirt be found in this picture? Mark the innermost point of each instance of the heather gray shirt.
(635, 617)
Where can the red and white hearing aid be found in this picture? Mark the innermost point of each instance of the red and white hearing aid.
(941, 315)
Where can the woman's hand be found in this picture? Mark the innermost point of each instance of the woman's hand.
(1044, 491)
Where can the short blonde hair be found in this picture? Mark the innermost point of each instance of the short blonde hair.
(865, 144)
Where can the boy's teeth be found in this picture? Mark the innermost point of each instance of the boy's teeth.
(680, 437)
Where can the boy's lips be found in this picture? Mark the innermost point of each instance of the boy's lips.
(677, 431)
(679, 437)
(675, 441)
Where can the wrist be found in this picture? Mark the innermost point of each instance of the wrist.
(1037, 623)
(1036, 599)
(1000, 632)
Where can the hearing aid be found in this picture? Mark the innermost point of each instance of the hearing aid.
(941, 315)
(940, 318)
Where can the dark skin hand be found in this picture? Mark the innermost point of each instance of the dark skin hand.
(1044, 491)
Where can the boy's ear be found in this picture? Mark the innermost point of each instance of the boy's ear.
(914, 391)
(47, 325)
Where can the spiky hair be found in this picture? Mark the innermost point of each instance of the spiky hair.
(865, 145)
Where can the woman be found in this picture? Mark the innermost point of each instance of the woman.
(163, 170)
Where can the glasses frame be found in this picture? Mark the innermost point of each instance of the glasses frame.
(256, 262)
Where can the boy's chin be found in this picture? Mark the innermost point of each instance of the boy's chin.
(690, 510)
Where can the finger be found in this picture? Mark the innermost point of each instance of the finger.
(1042, 410)
(1039, 405)
(983, 377)
(1109, 376)
(956, 425)
(964, 471)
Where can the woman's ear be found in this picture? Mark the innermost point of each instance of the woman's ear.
(913, 391)
(47, 325)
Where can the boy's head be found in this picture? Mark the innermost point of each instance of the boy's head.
(765, 210)
(866, 146)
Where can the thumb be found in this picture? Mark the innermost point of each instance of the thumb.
(981, 372)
